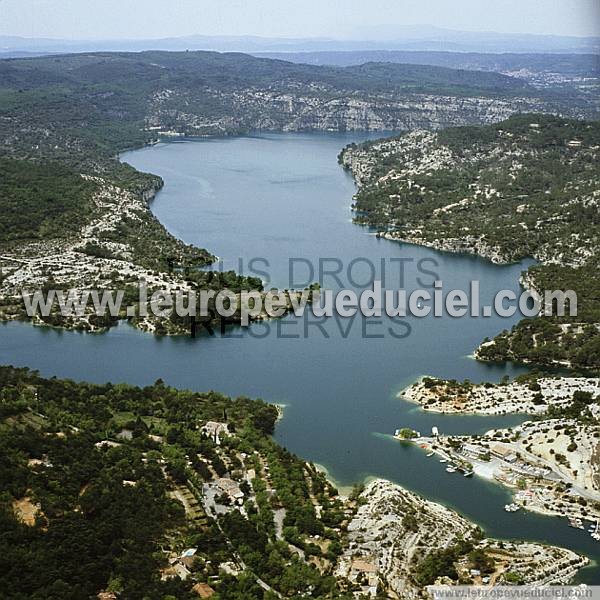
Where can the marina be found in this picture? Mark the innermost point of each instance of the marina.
(521, 497)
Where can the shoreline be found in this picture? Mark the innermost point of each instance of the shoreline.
(533, 396)
(385, 533)
(344, 491)
(494, 471)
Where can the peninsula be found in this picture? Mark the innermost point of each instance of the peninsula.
(526, 187)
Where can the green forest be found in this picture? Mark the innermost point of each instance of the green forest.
(39, 201)
(88, 482)
(526, 187)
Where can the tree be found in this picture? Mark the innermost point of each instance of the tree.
(407, 434)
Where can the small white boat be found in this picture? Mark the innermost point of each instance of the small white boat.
(468, 474)
(443, 460)
(451, 469)
(429, 454)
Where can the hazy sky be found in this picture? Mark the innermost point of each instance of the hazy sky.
(288, 18)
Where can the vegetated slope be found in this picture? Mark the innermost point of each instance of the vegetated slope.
(67, 105)
(529, 186)
(37, 201)
(79, 111)
(159, 493)
(105, 486)
(528, 66)
(574, 77)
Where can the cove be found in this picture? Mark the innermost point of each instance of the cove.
(278, 196)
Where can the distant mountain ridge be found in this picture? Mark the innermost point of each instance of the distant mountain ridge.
(396, 38)
(568, 64)
(575, 71)
(234, 69)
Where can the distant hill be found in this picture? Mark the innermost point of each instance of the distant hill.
(236, 69)
(111, 101)
(576, 72)
(567, 64)
(387, 38)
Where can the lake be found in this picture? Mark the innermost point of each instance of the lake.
(273, 197)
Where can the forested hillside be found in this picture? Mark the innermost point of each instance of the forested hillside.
(526, 187)
(104, 487)
(63, 120)
(66, 104)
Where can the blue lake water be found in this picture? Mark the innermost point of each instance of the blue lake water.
(275, 197)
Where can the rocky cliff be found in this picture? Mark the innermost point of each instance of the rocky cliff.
(399, 543)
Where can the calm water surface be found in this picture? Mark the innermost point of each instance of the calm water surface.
(281, 196)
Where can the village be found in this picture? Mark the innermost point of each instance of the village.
(551, 466)
(386, 532)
